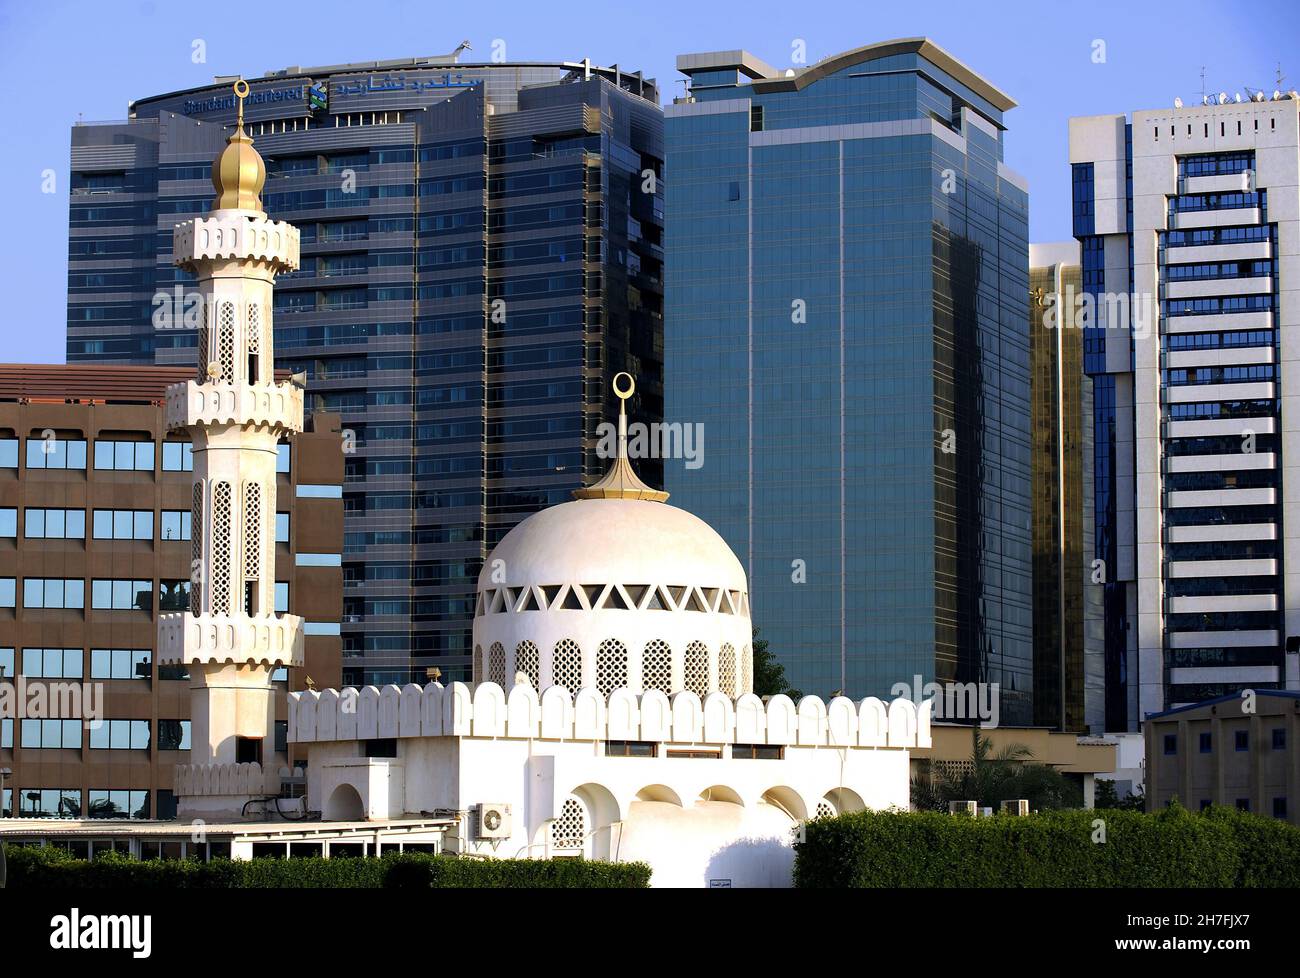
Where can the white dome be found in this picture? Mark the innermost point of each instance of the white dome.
(614, 592)
(626, 540)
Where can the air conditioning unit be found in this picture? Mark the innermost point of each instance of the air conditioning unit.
(1015, 806)
(493, 820)
(970, 808)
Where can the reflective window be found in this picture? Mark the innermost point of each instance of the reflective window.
(177, 456)
(53, 592)
(123, 524)
(117, 803)
(120, 735)
(52, 663)
(49, 802)
(54, 524)
(129, 455)
(175, 524)
(173, 735)
(56, 453)
(51, 734)
(120, 663)
(121, 595)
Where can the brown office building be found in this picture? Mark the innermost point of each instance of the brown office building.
(95, 505)
(1068, 627)
(1236, 750)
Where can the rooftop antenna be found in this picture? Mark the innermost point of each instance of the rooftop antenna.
(1280, 78)
(1203, 84)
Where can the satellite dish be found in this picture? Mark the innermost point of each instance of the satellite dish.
(1237, 98)
(1223, 98)
(1205, 100)
(1277, 96)
(789, 73)
(1178, 103)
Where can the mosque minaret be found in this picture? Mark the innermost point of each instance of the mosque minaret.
(231, 640)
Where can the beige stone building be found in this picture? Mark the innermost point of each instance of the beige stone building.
(1237, 750)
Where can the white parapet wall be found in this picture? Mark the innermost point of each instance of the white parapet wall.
(372, 713)
(235, 236)
(275, 406)
(267, 640)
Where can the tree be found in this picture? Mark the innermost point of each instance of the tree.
(769, 674)
(990, 779)
(1108, 797)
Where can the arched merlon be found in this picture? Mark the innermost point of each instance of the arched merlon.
(487, 711)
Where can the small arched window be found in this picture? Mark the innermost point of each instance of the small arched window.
(697, 669)
(657, 666)
(528, 661)
(497, 664)
(566, 665)
(611, 666)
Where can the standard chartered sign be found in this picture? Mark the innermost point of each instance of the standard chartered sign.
(196, 106)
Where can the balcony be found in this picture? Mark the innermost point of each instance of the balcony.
(267, 640)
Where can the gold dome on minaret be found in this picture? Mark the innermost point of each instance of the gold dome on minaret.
(238, 172)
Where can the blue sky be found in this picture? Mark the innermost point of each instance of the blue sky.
(65, 60)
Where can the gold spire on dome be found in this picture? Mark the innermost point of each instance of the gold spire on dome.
(238, 172)
(621, 482)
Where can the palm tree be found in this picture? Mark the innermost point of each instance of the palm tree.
(991, 778)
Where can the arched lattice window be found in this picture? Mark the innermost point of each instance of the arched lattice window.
(254, 343)
(196, 550)
(496, 670)
(727, 670)
(657, 666)
(569, 831)
(825, 809)
(252, 547)
(479, 666)
(252, 530)
(529, 661)
(566, 665)
(611, 666)
(226, 341)
(697, 669)
(205, 345)
(746, 670)
(220, 548)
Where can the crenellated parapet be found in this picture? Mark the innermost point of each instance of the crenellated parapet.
(235, 237)
(487, 711)
(226, 779)
(267, 640)
(276, 407)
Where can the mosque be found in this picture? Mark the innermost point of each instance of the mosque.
(611, 713)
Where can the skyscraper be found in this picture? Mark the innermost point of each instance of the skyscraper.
(1189, 223)
(481, 254)
(847, 319)
(1068, 648)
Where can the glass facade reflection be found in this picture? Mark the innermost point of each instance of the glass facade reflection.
(846, 317)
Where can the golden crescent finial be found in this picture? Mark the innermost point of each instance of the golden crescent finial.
(241, 92)
(621, 482)
(631, 385)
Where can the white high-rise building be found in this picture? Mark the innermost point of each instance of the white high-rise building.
(1189, 222)
(231, 640)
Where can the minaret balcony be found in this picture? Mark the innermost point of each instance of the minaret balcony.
(269, 640)
(193, 405)
(235, 236)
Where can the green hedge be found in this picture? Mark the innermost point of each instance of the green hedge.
(51, 868)
(1172, 848)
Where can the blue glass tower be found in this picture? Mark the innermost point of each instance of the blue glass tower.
(846, 316)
